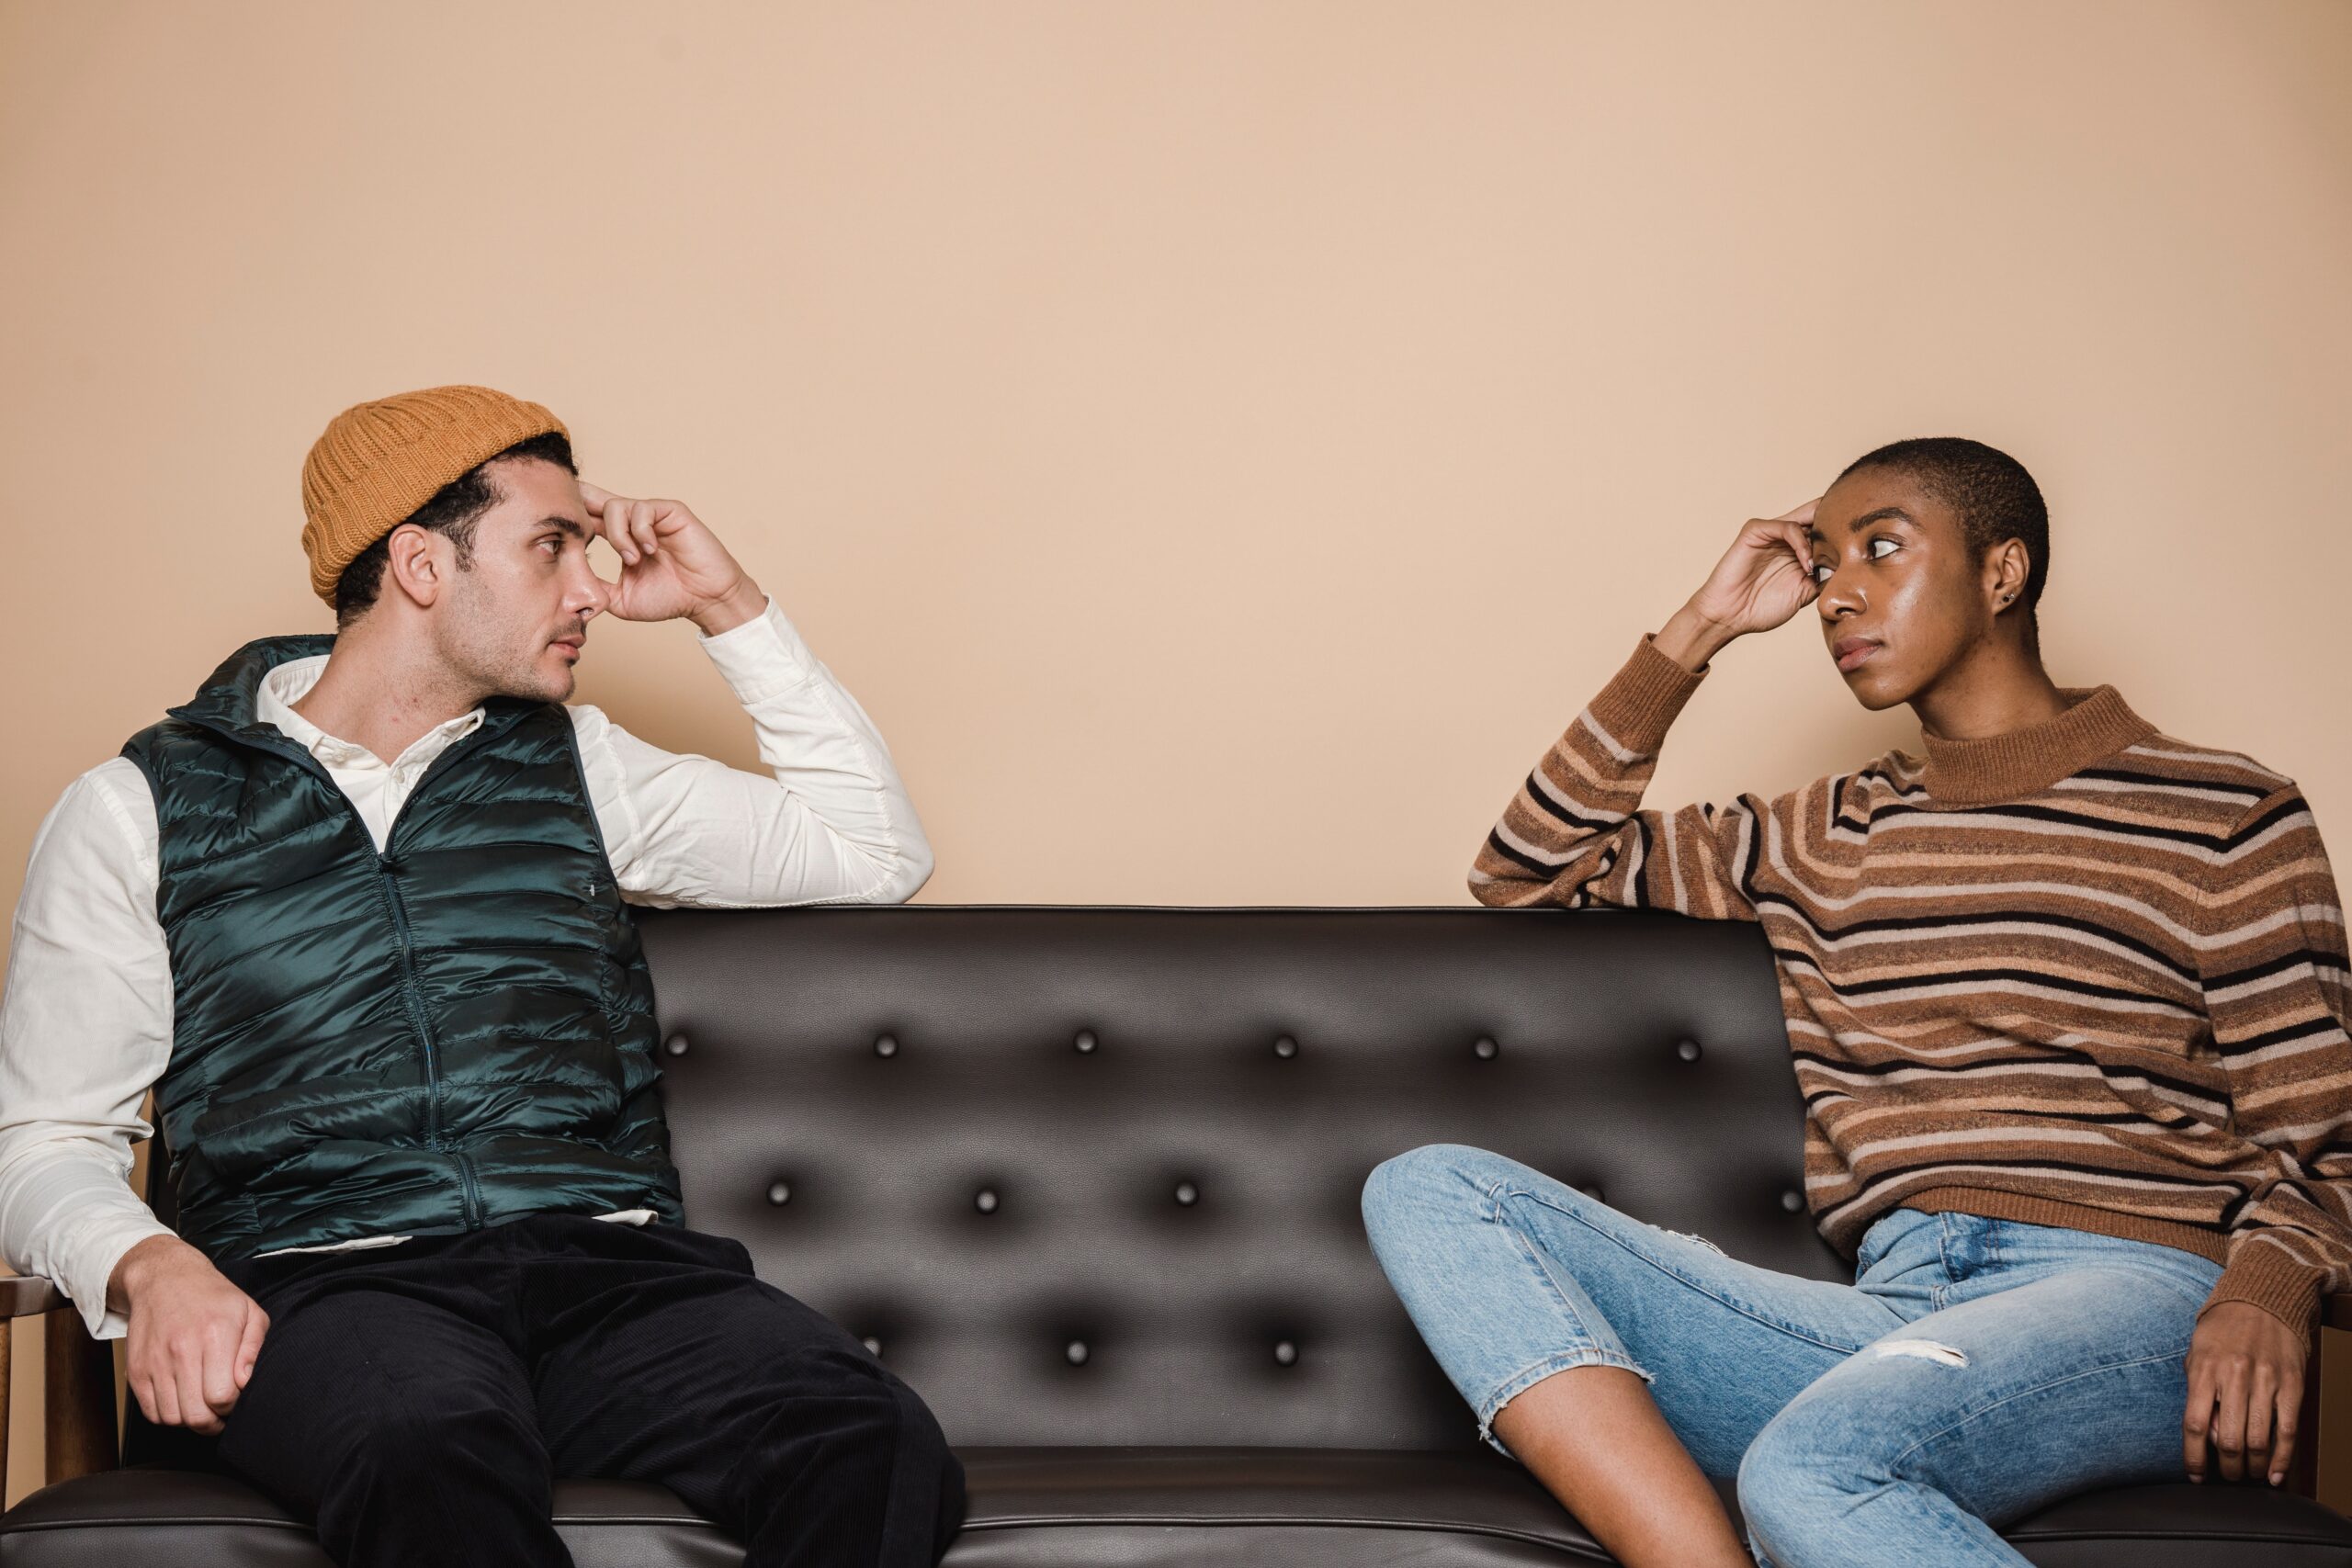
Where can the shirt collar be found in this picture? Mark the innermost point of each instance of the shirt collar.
(287, 683)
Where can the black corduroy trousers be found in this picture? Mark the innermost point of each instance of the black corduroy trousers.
(416, 1401)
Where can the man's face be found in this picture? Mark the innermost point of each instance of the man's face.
(1901, 598)
(517, 621)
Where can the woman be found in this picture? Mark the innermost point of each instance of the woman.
(2067, 1004)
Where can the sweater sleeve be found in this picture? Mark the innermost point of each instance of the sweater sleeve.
(1575, 833)
(2274, 978)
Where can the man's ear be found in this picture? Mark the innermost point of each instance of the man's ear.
(418, 563)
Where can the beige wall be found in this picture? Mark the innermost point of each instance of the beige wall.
(1220, 443)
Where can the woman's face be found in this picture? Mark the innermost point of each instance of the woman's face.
(1902, 598)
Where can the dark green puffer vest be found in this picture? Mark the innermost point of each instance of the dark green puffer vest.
(453, 1033)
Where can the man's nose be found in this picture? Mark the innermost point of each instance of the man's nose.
(590, 596)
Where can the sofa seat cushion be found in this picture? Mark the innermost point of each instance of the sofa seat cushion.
(1098, 1507)
(1095, 1507)
(1162, 1507)
(1111, 1508)
(204, 1519)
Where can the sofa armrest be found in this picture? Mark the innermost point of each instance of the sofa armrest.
(78, 1379)
(2335, 1312)
(30, 1296)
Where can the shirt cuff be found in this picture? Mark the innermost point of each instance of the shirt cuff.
(87, 1275)
(761, 658)
(2265, 1276)
(1642, 699)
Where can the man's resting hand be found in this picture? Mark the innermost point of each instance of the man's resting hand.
(193, 1335)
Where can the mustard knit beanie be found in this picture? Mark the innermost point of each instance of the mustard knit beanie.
(381, 461)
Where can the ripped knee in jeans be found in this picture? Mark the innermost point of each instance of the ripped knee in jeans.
(1702, 1241)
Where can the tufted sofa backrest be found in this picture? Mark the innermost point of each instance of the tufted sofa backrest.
(1091, 1176)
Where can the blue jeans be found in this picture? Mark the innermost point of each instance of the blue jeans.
(1975, 1370)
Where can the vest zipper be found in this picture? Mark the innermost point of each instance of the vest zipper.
(469, 1191)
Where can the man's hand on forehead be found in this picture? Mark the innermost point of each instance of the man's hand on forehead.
(671, 564)
(633, 529)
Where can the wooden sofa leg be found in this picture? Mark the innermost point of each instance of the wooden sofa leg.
(80, 1403)
(2303, 1475)
(7, 1349)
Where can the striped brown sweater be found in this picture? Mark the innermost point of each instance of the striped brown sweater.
(2079, 974)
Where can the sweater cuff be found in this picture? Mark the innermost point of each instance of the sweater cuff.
(1642, 699)
(2267, 1276)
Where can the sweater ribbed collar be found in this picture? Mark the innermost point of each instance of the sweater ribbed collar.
(2097, 723)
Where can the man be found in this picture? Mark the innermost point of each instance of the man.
(357, 915)
(2067, 1002)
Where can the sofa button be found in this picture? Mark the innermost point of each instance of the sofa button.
(1285, 1354)
(1487, 1048)
(779, 1193)
(985, 1200)
(1086, 1041)
(1075, 1352)
(1688, 1050)
(885, 1045)
(873, 1347)
(1793, 1201)
(1285, 1047)
(675, 1045)
(1187, 1194)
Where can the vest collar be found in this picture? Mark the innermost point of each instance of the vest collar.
(229, 697)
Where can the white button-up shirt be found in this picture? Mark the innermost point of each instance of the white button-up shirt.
(86, 1022)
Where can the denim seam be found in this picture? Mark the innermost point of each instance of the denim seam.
(1742, 1308)
(2026, 1393)
(1589, 1354)
(1536, 1264)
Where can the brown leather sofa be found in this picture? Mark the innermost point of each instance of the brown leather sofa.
(1089, 1178)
